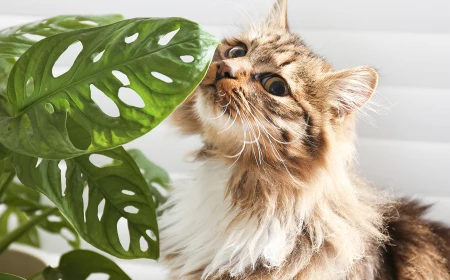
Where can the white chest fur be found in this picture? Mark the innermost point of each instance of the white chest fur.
(196, 232)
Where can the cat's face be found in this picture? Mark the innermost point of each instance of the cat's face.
(269, 96)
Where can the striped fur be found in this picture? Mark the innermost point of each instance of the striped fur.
(277, 196)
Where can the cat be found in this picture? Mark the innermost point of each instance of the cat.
(277, 196)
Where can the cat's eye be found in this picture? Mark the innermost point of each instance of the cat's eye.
(275, 85)
(237, 51)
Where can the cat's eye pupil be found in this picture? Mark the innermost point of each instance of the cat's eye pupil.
(277, 88)
(275, 85)
(237, 51)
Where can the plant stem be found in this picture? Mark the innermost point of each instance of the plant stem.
(23, 228)
(6, 184)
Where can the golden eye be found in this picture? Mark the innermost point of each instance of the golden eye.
(275, 85)
(238, 51)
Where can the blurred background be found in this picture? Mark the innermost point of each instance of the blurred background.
(405, 147)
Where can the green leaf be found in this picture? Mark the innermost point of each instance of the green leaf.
(30, 237)
(79, 264)
(118, 187)
(24, 228)
(14, 41)
(155, 176)
(5, 276)
(22, 198)
(58, 224)
(59, 119)
(25, 202)
(7, 171)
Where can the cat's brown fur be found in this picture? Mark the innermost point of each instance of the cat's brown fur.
(300, 170)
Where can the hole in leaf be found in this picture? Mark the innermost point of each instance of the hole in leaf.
(131, 209)
(49, 108)
(151, 234)
(131, 98)
(162, 77)
(85, 201)
(132, 38)
(63, 168)
(143, 244)
(101, 209)
(103, 161)
(98, 276)
(38, 212)
(39, 160)
(33, 37)
(187, 58)
(68, 57)
(13, 222)
(29, 87)
(98, 56)
(121, 77)
(54, 219)
(89, 22)
(105, 103)
(78, 135)
(124, 234)
(166, 38)
(67, 234)
(128, 192)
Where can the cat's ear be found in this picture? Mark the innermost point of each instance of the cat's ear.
(278, 15)
(350, 89)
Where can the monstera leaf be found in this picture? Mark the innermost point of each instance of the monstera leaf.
(117, 214)
(142, 68)
(14, 41)
(81, 264)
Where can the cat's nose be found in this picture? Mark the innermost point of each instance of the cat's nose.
(224, 71)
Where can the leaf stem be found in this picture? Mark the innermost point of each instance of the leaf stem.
(23, 228)
(6, 184)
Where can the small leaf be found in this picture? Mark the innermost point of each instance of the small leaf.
(60, 226)
(154, 175)
(25, 201)
(24, 228)
(22, 198)
(6, 276)
(105, 185)
(31, 237)
(80, 264)
(79, 123)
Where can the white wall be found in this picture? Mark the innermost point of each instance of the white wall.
(407, 147)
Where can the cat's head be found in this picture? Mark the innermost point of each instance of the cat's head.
(268, 98)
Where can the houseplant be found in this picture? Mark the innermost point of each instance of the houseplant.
(53, 124)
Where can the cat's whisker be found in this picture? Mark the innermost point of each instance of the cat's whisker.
(263, 127)
(247, 124)
(225, 105)
(223, 113)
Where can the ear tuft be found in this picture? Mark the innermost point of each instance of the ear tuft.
(277, 18)
(351, 89)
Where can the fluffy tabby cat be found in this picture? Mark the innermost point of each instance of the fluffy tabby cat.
(277, 196)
